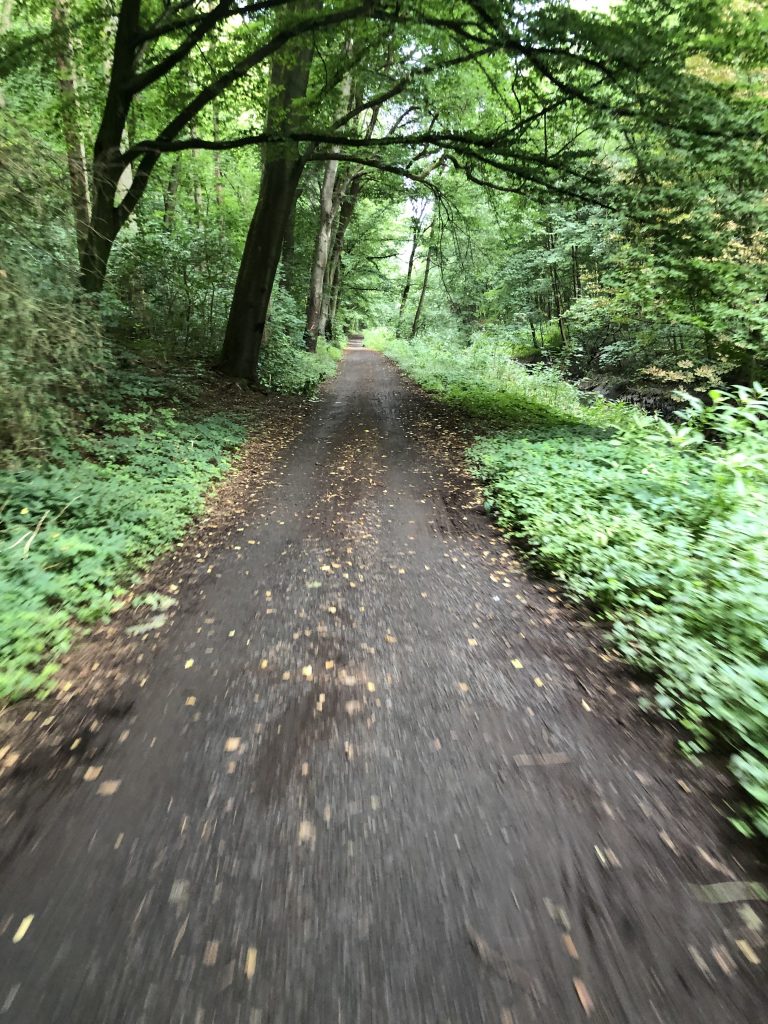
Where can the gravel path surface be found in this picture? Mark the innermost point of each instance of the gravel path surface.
(377, 775)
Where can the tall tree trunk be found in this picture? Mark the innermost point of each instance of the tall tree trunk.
(348, 196)
(424, 283)
(409, 274)
(321, 254)
(108, 161)
(281, 171)
(70, 121)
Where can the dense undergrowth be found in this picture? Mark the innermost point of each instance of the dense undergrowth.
(74, 527)
(662, 528)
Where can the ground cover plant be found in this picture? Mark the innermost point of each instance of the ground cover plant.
(661, 526)
(75, 526)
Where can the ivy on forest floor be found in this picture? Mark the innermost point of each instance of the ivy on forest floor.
(663, 529)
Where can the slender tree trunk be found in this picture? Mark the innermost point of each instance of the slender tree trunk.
(320, 259)
(281, 171)
(169, 194)
(73, 139)
(424, 283)
(409, 274)
(218, 176)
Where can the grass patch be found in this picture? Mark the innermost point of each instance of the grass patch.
(663, 529)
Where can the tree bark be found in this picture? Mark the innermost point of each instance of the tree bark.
(350, 195)
(320, 258)
(281, 171)
(108, 160)
(409, 274)
(420, 305)
(73, 139)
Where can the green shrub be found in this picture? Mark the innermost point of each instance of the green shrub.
(663, 529)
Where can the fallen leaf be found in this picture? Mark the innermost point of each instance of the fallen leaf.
(23, 928)
(307, 671)
(191, 701)
(516, 663)
(307, 833)
(584, 997)
(250, 962)
(464, 687)
(471, 641)
(570, 947)
(189, 663)
(91, 773)
(211, 953)
(747, 951)
(329, 664)
(232, 744)
(109, 787)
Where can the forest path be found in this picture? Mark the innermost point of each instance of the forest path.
(458, 819)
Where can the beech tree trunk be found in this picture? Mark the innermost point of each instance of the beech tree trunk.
(320, 259)
(73, 139)
(332, 288)
(281, 171)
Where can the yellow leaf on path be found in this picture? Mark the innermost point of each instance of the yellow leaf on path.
(747, 951)
(330, 664)
(23, 928)
(109, 787)
(584, 997)
(264, 663)
(307, 671)
(472, 642)
(516, 663)
(570, 947)
(232, 744)
(231, 632)
(390, 639)
(189, 663)
(463, 687)
(585, 705)
(371, 687)
(331, 609)
(211, 953)
(539, 682)
(306, 833)
(250, 962)
(191, 701)
(91, 773)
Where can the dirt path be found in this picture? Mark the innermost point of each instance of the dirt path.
(457, 819)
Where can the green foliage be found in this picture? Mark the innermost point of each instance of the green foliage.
(286, 366)
(51, 358)
(74, 529)
(663, 529)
